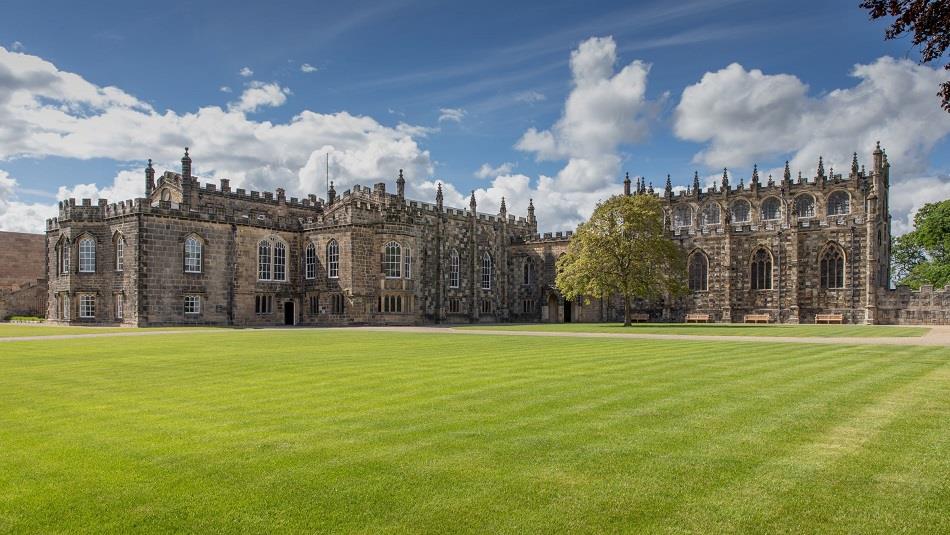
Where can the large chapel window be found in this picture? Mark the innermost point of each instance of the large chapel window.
(682, 216)
(192, 255)
(831, 267)
(310, 261)
(488, 268)
(839, 203)
(272, 260)
(280, 261)
(740, 211)
(333, 259)
(804, 206)
(392, 258)
(454, 269)
(698, 272)
(710, 214)
(771, 209)
(761, 270)
(87, 255)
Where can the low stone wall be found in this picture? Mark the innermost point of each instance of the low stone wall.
(904, 306)
(27, 300)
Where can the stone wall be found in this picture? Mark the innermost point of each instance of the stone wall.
(21, 259)
(903, 306)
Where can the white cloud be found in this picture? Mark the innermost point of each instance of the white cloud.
(451, 114)
(746, 115)
(16, 46)
(48, 112)
(225, 89)
(308, 68)
(530, 97)
(909, 195)
(246, 72)
(18, 216)
(487, 171)
(258, 95)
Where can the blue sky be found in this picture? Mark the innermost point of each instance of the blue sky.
(445, 89)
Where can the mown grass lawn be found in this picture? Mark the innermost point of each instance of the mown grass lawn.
(19, 330)
(354, 431)
(718, 329)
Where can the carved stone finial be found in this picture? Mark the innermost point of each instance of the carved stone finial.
(821, 167)
(854, 164)
(787, 175)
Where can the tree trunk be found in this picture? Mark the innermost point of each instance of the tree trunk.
(626, 311)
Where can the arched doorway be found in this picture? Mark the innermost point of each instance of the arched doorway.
(567, 311)
(552, 309)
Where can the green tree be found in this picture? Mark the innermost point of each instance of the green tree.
(622, 249)
(922, 256)
(928, 22)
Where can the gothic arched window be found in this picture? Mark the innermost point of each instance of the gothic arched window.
(740, 211)
(528, 274)
(698, 272)
(682, 216)
(454, 269)
(831, 266)
(310, 261)
(264, 260)
(333, 259)
(771, 209)
(87, 255)
(192, 255)
(488, 268)
(392, 260)
(709, 215)
(804, 206)
(839, 203)
(761, 270)
(119, 253)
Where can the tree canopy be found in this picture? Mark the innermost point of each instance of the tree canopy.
(622, 249)
(928, 21)
(922, 256)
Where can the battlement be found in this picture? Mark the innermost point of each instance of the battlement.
(551, 237)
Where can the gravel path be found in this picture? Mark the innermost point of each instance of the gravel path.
(939, 335)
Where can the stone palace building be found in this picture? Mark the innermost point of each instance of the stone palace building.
(204, 254)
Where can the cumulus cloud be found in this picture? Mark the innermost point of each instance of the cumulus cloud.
(48, 112)
(487, 171)
(744, 116)
(246, 72)
(451, 114)
(258, 95)
(16, 46)
(18, 216)
(308, 68)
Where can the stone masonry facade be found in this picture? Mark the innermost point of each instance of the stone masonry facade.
(203, 254)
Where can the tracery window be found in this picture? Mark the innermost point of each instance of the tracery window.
(771, 209)
(264, 260)
(87, 255)
(192, 255)
(740, 211)
(839, 203)
(682, 216)
(310, 261)
(804, 206)
(488, 268)
(831, 267)
(392, 258)
(761, 270)
(709, 215)
(698, 272)
(333, 260)
(454, 269)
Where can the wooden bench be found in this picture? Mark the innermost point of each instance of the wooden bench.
(697, 318)
(639, 317)
(757, 318)
(829, 318)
